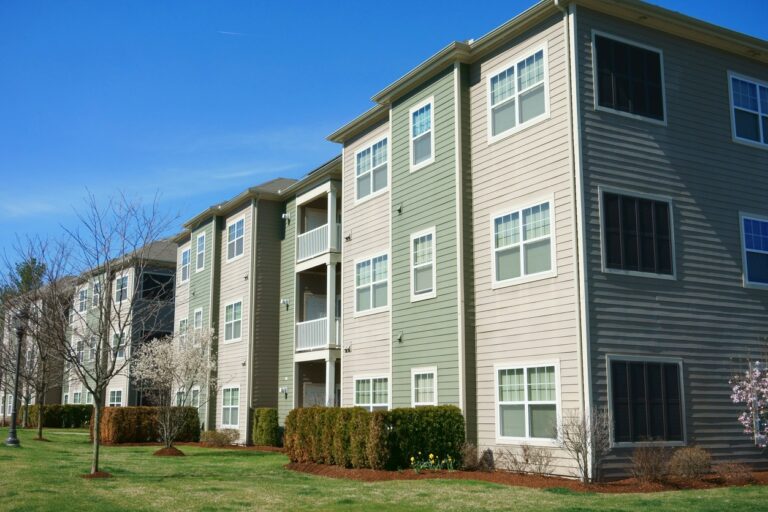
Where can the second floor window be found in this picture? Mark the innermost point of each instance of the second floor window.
(118, 347)
(121, 288)
(637, 234)
(371, 169)
(422, 135)
(185, 265)
(423, 271)
(749, 106)
(629, 78)
(82, 300)
(96, 294)
(371, 283)
(755, 250)
(522, 243)
(200, 253)
(235, 236)
(233, 317)
(517, 94)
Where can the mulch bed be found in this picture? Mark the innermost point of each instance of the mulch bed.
(169, 452)
(629, 485)
(98, 474)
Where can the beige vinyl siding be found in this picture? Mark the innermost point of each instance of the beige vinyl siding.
(705, 317)
(287, 314)
(368, 224)
(534, 321)
(235, 286)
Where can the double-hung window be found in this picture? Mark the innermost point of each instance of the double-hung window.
(517, 95)
(423, 272)
(422, 134)
(637, 234)
(424, 382)
(527, 402)
(371, 283)
(235, 237)
(195, 398)
(115, 398)
(230, 409)
(77, 397)
(371, 169)
(96, 294)
(233, 317)
(80, 350)
(82, 300)
(372, 393)
(200, 253)
(522, 243)
(629, 78)
(749, 108)
(118, 346)
(646, 401)
(185, 265)
(121, 288)
(197, 322)
(755, 233)
(183, 329)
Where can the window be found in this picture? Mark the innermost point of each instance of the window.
(372, 393)
(185, 265)
(66, 401)
(179, 398)
(121, 288)
(235, 238)
(517, 96)
(646, 401)
(115, 398)
(749, 110)
(77, 397)
(629, 78)
(88, 397)
(82, 300)
(200, 254)
(637, 234)
(233, 315)
(195, 398)
(80, 350)
(371, 284)
(422, 135)
(755, 233)
(96, 294)
(197, 322)
(527, 402)
(371, 169)
(230, 410)
(157, 286)
(423, 272)
(183, 328)
(92, 348)
(424, 381)
(523, 251)
(118, 347)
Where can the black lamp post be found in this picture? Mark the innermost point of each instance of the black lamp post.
(19, 324)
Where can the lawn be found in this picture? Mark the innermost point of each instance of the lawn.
(46, 476)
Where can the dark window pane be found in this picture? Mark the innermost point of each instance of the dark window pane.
(757, 267)
(629, 232)
(622, 431)
(647, 247)
(747, 125)
(765, 129)
(639, 401)
(157, 287)
(612, 228)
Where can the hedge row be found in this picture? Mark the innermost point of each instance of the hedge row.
(266, 430)
(139, 425)
(354, 437)
(61, 416)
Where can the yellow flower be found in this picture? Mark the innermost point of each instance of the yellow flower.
(431, 456)
(412, 460)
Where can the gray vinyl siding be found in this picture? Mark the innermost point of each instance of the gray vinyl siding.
(705, 317)
(368, 223)
(429, 327)
(536, 321)
(287, 318)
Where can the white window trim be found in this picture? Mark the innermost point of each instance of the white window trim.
(525, 365)
(745, 279)
(127, 287)
(431, 159)
(419, 371)
(360, 200)
(513, 62)
(662, 122)
(734, 137)
(525, 278)
(649, 359)
(640, 195)
(198, 268)
(188, 250)
(80, 301)
(109, 397)
(226, 244)
(371, 311)
(194, 317)
(224, 334)
(229, 425)
(371, 378)
(431, 295)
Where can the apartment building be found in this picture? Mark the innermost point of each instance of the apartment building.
(569, 212)
(141, 309)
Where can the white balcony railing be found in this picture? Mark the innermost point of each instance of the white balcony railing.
(313, 334)
(315, 242)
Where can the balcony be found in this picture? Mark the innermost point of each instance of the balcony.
(317, 241)
(313, 335)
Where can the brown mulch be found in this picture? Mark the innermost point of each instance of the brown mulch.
(629, 485)
(169, 452)
(98, 474)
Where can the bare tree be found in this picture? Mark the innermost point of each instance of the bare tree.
(586, 437)
(172, 368)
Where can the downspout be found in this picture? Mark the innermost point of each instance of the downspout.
(252, 320)
(459, 233)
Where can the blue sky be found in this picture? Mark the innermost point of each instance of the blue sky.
(199, 100)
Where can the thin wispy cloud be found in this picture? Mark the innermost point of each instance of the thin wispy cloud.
(236, 34)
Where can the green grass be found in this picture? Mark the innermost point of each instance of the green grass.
(46, 476)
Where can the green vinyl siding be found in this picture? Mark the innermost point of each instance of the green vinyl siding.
(429, 327)
(200, 282)
(287, 321)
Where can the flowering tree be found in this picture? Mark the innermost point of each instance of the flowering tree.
(751, 389)
(168, 369)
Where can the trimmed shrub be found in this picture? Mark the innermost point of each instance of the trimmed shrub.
(438, 430)
(690, 463)
(377, 446)
(734, 473)
(649, 463)
(219, 438)
(139, 425)
(340, 436)
(61, 416)
(266, 431)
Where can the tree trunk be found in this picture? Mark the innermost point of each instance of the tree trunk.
(40, 406)
(25, 418)
(96, 436)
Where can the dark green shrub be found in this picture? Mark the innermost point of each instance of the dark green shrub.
(139, 425)
(266, 431)
(438, 430)
(61, 416)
